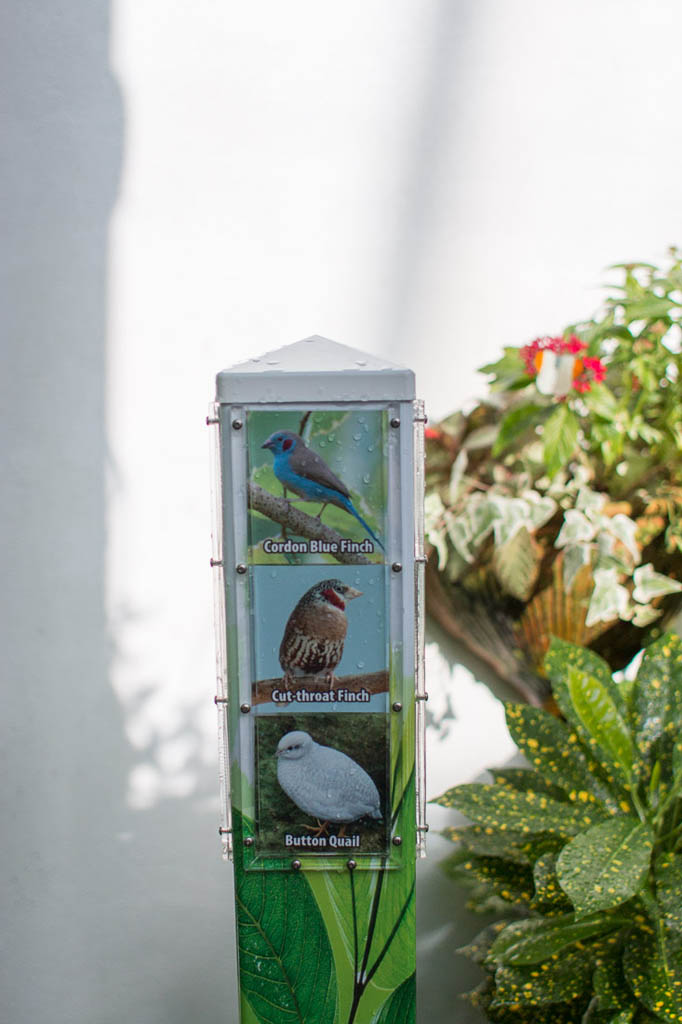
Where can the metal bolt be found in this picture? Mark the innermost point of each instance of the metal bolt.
(397, 840)
(210, 421)
(296, 865)
(245, 708)
(215, 562)
(395, 422)
(351, 864)
(220, 700)
(224, 831)
(241, 568)
(237, 424)
(422, 696)
(396, 705)
(249, 841)
(397, 567)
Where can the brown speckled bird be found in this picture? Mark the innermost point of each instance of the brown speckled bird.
(315, 633)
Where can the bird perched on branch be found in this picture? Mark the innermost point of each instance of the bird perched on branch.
(316, 631)
(303, 471)
(324, 782)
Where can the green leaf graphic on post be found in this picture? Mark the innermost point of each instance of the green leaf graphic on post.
(286, 965)
(400, 1006)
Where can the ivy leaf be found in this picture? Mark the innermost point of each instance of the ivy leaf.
(668, 876)
(517, 564)
(401, 1004)
(557, 754)
(504, 808)
(606, 865)
(560, 438)
(653, 968)
(589, 704)
(287, 968)
(650, 584)
(610, 599)
(516, 423)
(533, 941)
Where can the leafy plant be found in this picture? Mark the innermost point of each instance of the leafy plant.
(581, 853)
(562, 489)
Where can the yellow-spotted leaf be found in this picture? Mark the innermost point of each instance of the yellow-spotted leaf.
(534, 941)
(587, 702)
(504, 808)
(556, 752)
(566, 977)
(668, 876)
(653, 968)
(606, 865)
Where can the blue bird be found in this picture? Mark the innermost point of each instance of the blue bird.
(302, 471)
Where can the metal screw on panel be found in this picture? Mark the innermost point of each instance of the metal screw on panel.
(395, 422)
(220, 700)
(397, 567)
(396, 705)
(245, 708)
(397, 840)
(296, 865)
(216, 562)
(224, 831)
(237, 424)
(241, 568)
(249, 841)
(351, 864)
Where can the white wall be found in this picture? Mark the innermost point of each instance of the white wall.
(185, 186)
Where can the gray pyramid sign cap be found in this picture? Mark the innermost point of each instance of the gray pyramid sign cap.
(315, 370)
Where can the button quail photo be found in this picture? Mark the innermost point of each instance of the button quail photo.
(323, 782)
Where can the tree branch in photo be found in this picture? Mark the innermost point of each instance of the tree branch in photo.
(281, 511)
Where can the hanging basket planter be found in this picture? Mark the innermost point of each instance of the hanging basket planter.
(554, 507)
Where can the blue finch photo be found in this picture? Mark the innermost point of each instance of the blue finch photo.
(317, 486)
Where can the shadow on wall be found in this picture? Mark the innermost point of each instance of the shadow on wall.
(109, 914)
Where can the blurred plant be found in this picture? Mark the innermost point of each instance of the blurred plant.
(582, 852)
(563, 489)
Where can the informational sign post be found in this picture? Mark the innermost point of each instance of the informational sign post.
(318, 567)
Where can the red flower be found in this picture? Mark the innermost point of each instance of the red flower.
(586, 369)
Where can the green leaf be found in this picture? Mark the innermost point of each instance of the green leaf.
(654, 703)
(562, 654)
(525, 779)
(608, 981)
(650, 308)
(286, 965)
(549, 897)
(589, 704)
(477, 950)
(514, 846)
(516, 424)
(565, 979)
(533, 941)
(653, 968)
(517, 564)
(512, 883)
(606, 865)
(560, 438)
(556, 752)
(668, 878)
(504, 808)
(400, 1006)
